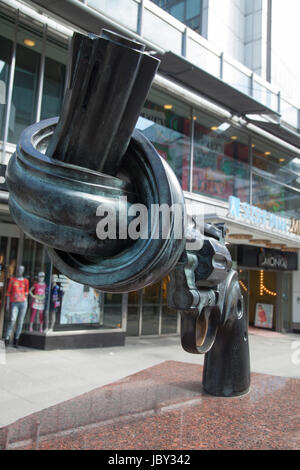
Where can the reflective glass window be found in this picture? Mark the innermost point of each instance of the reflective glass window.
(5, 58)
(54, 77)
(169, 315)
(177, 11)
(112, 311)
(151, 309)
(276, 179)
(188, 12)
(53, 89)
(166, 123)
(275, 197)
(221, 159)
(133, 313)
(24, 98)
(193, 8)
(275, 162)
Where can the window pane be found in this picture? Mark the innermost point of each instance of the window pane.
(178, 11)
(276, 163)
(54, 77)
(5, 58)
(166, 123)
(53, 90)
(272, 166)
(133, 313)
(220, 159)
(275, 197)
(193, 8)
(112, 317)
(151, 306)
(23, 106)
(169, 316)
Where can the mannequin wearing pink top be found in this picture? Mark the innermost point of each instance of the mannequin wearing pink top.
(38, 293)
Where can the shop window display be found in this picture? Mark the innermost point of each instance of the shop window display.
(16, 304)
(38, 304)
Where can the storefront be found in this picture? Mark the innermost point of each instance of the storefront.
(215, 155)
(266, 278)
(74, 315)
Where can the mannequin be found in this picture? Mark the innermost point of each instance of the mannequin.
(56, 297)
(38, 293)
(16, 304)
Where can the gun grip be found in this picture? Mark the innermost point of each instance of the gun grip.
(227, 365)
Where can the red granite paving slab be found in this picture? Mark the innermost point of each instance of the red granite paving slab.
(164, 407)
(253, 330)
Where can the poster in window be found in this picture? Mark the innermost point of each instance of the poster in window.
(81, 304)
(264, 315)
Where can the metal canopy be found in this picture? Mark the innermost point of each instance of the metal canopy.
(279, 131)
(212, 87)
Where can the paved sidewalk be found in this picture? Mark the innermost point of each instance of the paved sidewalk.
(32, 380)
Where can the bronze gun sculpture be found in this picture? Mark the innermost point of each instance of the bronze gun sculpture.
(65, 169)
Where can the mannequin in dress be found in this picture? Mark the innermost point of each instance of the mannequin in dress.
(16, 304)
(38, 293)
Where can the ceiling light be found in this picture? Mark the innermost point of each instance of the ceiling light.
(282, 159)
(168, 106)
(195, 118)
(279, 246)
(234, 137)
(267, 153)
(241, 236)
(29, 42)
(214, 128)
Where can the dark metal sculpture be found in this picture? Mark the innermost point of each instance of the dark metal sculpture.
(64, 169)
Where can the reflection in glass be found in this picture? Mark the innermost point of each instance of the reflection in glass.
(286, 279)
(151, 308)
(24, 98)
(166, 123)
(112, 317)
(275, 163)
(5, 58)
(220, 160)
(133, 313)
(186, 11)
(53, 89)
(169, 316)
(275, 197)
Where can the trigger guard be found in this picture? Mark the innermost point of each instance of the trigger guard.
(199, 330)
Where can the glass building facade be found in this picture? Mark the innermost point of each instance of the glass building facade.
(188, 12)
(211, 157)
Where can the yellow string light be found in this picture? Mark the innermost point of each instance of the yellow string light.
(263, 288)
(244, 287)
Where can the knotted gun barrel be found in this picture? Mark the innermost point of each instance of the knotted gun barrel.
(92, 166)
